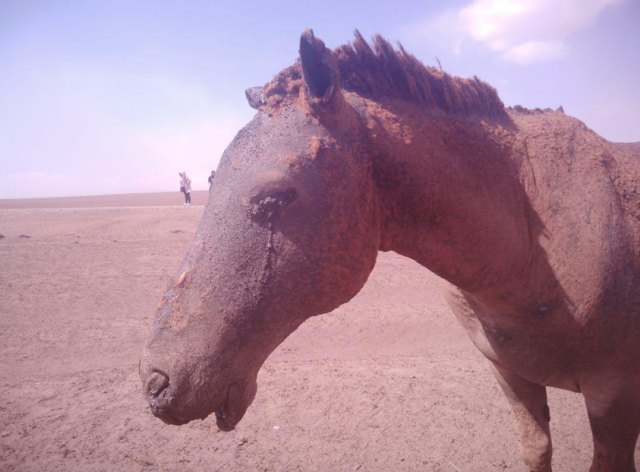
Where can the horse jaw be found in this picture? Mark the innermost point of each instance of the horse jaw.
(237, 401)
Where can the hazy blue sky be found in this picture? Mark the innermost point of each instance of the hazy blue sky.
(112, 97)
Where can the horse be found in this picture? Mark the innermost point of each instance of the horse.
(530, 218)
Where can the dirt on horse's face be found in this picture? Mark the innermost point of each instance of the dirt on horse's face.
(290, 231)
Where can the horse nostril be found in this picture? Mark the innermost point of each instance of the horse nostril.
(156, 383)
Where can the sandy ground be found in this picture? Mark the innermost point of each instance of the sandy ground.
(386, 382)
(198, 197)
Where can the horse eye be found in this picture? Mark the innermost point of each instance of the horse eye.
(264, 208)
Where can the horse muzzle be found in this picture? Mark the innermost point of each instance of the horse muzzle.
(158, 391)
(171, 407)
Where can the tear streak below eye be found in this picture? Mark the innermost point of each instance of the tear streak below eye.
(268, 206)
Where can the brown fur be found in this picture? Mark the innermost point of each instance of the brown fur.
(530, 218)
(378, 71)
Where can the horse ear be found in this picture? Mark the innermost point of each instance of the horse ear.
(255, 97)
(319, 69)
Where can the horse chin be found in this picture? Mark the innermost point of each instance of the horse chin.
(171, 419)
(226, 420)
(239, 397)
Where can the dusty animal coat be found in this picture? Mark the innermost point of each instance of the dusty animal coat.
(531, 218)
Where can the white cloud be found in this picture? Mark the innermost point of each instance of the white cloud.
(114, 181)
(195, 148)
(522, 31)
(457, 49)
(36, 184)
(487, 20)
(533, 52)
(37, 177)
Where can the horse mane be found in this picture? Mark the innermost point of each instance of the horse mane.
(378, 70)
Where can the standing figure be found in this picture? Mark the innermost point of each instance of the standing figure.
(211, 177)
(185, 187)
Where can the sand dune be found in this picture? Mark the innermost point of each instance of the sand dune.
(386, 382)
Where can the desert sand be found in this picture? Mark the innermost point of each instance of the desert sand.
(387, 382)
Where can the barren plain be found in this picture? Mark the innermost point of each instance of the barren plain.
(386, 382)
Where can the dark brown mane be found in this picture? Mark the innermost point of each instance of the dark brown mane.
(378, 70)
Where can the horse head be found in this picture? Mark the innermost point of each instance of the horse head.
(291, 230)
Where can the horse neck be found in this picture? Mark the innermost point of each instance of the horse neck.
(450, 195)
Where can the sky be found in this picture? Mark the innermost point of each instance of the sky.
(118, 97)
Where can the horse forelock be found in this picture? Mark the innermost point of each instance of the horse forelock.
(379, 71)
(284, 85)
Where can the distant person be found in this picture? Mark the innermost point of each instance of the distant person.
(185, 187)
(213, 174)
